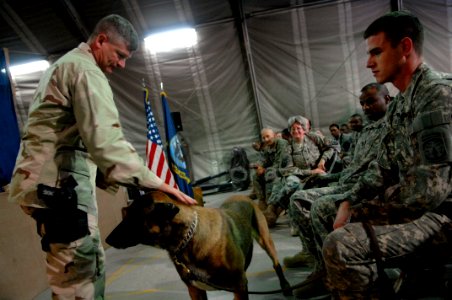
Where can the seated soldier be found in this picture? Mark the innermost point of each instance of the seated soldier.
(356, 124)
(342, 143)
(256, 145)
(344, 128)
(343, 139)
(409, 184)
(285, 134)
(374, 100)
(271, 152)
(307, 155)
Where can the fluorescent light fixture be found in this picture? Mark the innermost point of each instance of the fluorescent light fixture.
(169, 40)
(35, 66)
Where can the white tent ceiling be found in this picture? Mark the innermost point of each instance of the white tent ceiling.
(256, 62)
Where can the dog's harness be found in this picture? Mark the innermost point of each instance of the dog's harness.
(187, 274)
(187, 238)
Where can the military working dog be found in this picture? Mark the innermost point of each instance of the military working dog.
(211, 248)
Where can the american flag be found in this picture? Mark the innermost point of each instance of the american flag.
(155, 156)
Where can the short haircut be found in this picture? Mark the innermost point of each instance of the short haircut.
(398, 25)
(334, 125)
(117, 28)
(358, 116)
(381, 88)
(267, 129)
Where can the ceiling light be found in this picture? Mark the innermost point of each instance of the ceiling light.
(35, 66)
(171, 40)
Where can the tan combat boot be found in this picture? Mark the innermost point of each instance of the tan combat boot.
(313, 287)
(262, 204)
(271, 214)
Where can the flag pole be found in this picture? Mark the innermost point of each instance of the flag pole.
(175, 150)
(155, 155)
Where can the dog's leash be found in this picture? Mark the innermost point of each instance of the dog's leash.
(191, 276)
(217, 287)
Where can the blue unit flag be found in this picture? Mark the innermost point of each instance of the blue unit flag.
(176, 154)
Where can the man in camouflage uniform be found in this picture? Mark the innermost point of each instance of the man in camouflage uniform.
(313, 210)
(73, 128)
(411, 177)
(271, 153)
(308, 153)
(356, 124)
(342, 143)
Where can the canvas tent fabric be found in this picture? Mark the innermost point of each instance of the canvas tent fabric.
(255, 70)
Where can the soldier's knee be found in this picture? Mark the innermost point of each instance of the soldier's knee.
(298, 195)
(330, 247)
(315, 207)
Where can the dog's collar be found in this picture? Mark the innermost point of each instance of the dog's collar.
(187, 238)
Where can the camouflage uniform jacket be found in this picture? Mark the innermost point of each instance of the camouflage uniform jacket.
(348, 156)
(365, 151)
(304, 157)
(73, 125)
(271, 156)
(411, 184)
(345, 141)
(346, 146)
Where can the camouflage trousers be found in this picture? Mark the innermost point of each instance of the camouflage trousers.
(259, 186)
(313, 212)
(76, 270)
(282, 189)
(262, 188)
(349, 262)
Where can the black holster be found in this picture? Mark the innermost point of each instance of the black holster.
(60, 226)
(63, 222)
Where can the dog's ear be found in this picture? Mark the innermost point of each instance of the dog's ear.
(165, 211)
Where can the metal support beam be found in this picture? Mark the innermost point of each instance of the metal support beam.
(242, 31)
(396, 5)
(133, 11)
(75, 17)
(25, 34)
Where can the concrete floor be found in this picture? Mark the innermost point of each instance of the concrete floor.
(144, 272)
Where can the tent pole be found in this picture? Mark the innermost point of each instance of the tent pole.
(396, 5)
(242, 29)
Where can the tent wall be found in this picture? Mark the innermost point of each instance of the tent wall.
(207, 84)
(310, 61)
(436, 16)
(299, 57)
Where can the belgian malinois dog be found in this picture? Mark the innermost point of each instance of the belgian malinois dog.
(211, 248)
